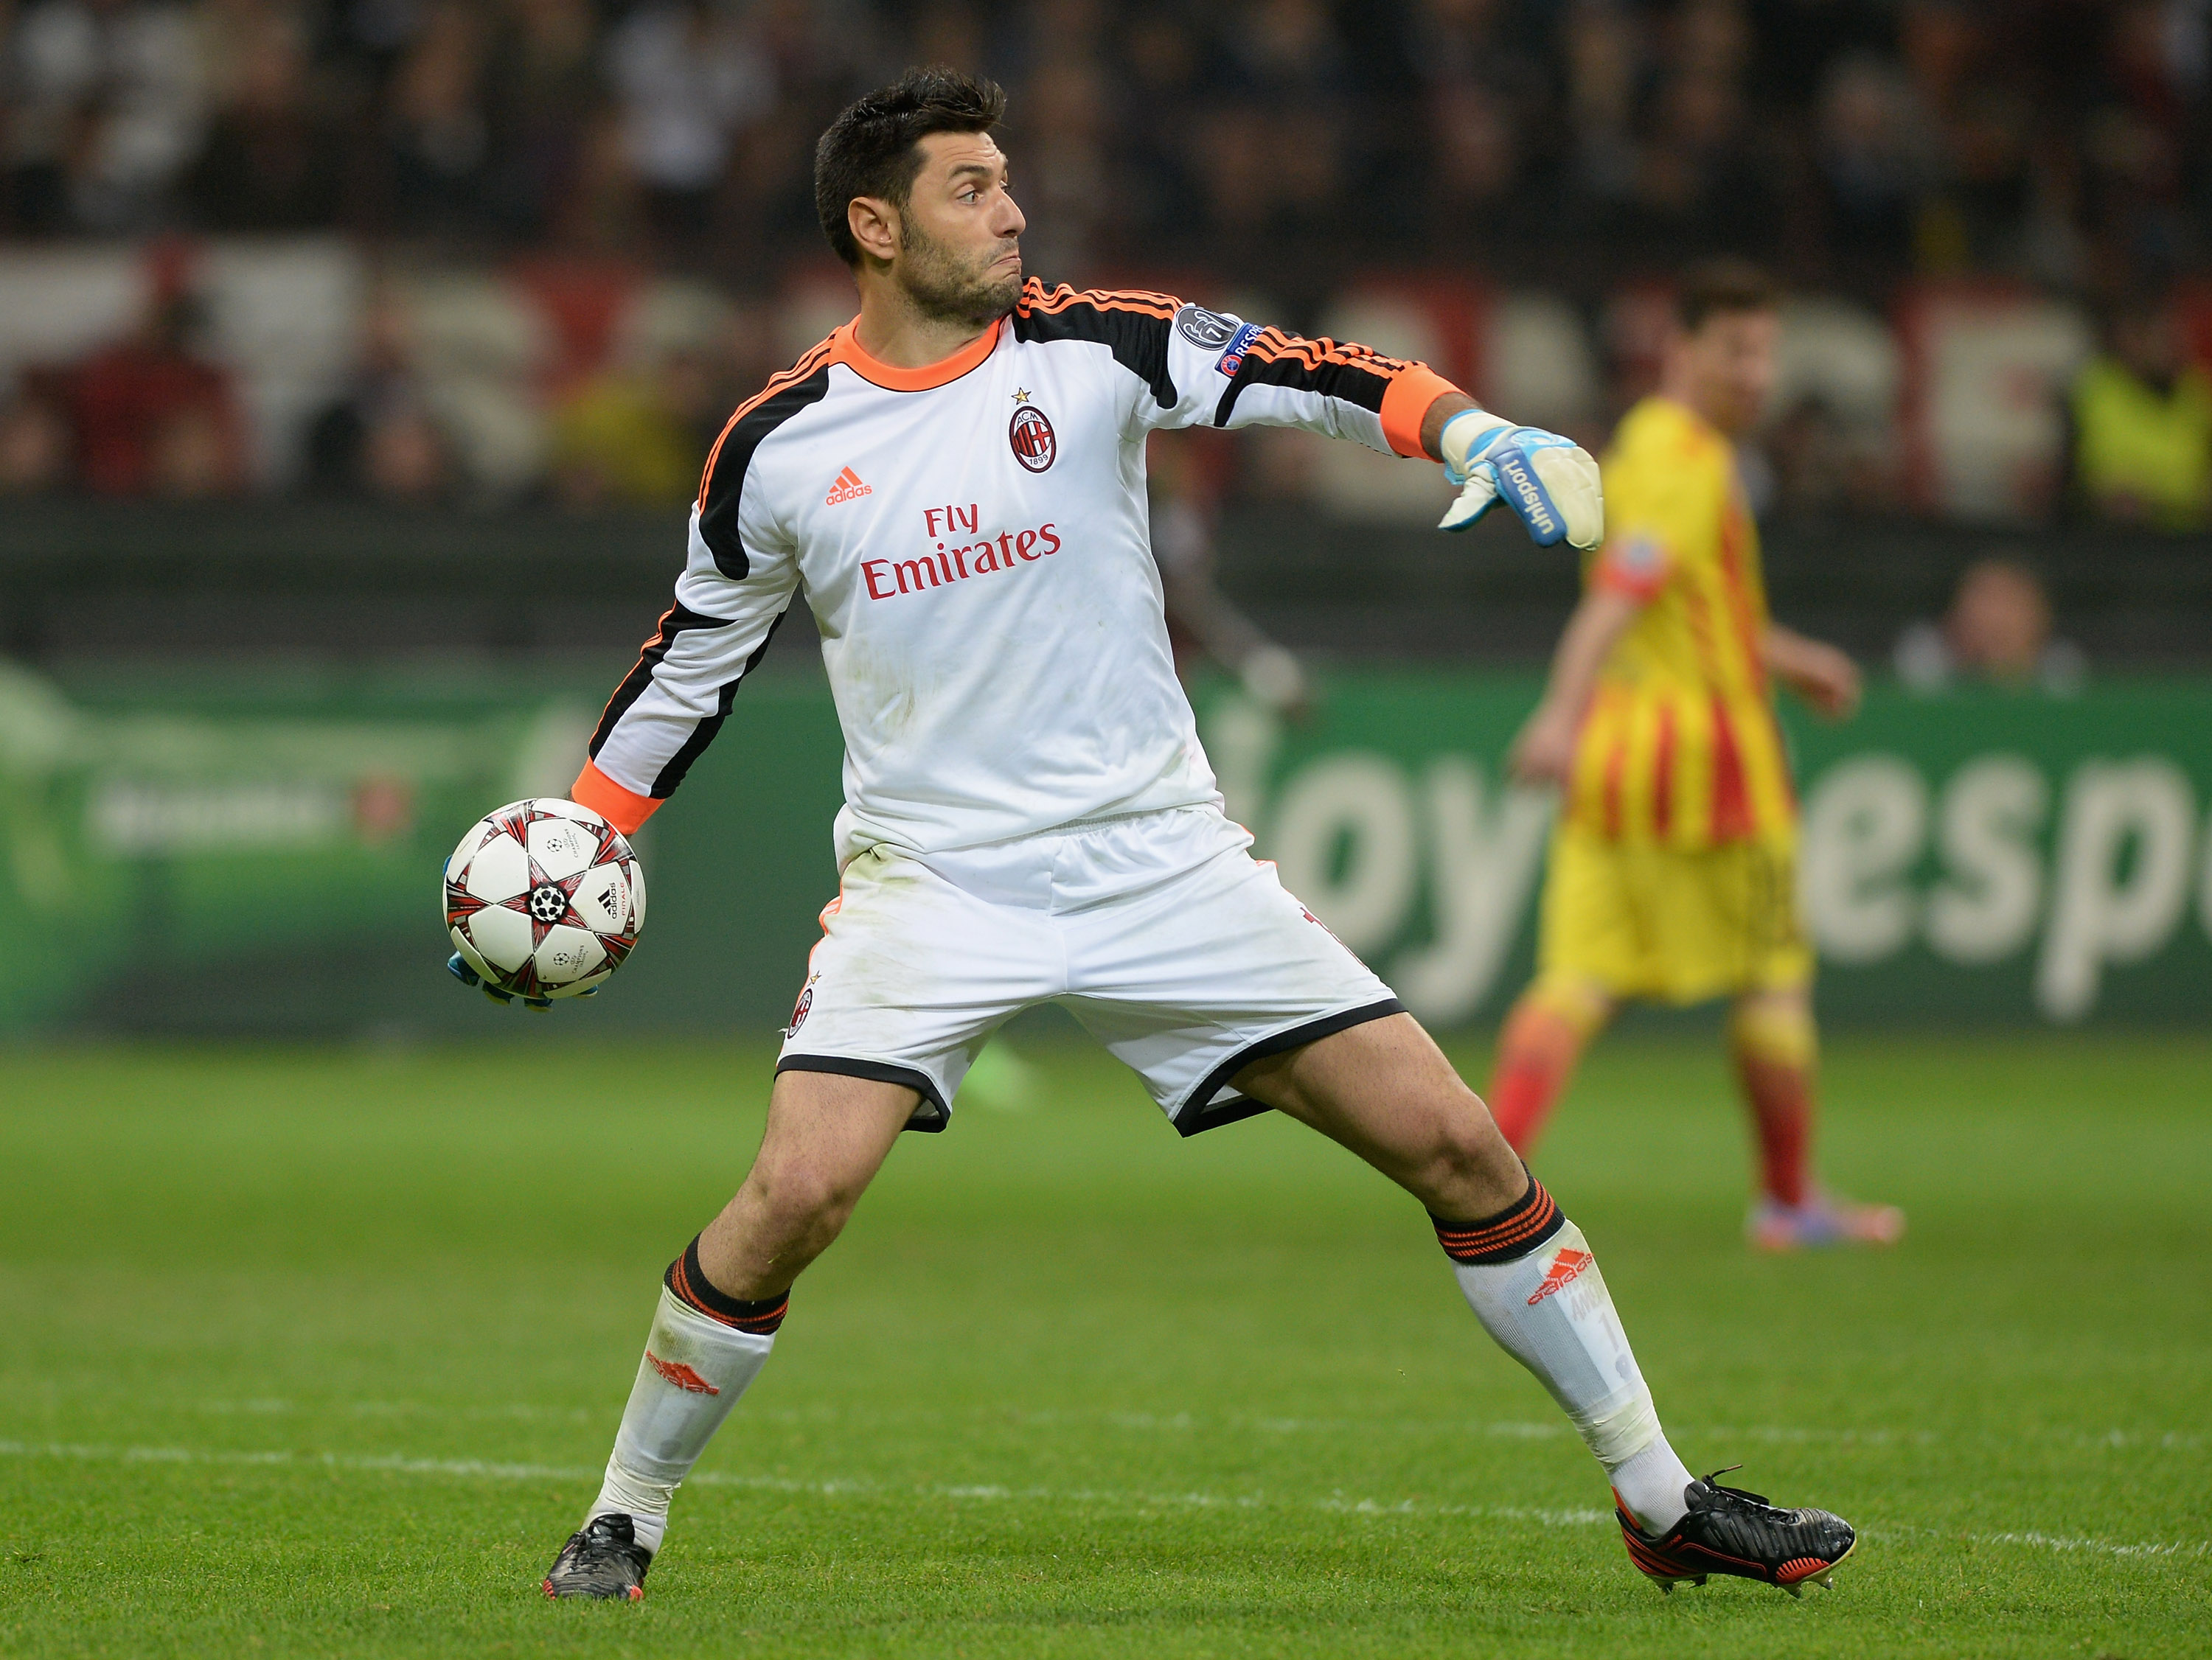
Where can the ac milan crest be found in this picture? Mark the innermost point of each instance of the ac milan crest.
(1031, 433)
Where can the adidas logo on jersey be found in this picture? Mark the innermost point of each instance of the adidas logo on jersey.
(1565, 1268)
(847, 488)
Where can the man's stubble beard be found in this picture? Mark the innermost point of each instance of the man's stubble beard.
(944, 290)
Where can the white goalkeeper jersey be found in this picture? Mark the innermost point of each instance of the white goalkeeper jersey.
(972, 540)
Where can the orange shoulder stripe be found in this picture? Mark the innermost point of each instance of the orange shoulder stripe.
(1413, 387)
(1327, 351)
(1104, 299)
(1053, 307)
(808, 362)
(1150, 296)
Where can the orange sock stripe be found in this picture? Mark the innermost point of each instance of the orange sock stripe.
(1514, 1233)
(688, 1282)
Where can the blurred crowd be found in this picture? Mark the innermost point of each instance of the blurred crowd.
(430, 250)
(186, 371)
(1846, 142)
(426, 389)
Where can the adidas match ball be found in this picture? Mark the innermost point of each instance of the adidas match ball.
(544, 898)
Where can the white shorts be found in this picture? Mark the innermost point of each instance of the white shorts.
(1158, 932)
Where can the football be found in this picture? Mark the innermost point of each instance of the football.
(544, 899)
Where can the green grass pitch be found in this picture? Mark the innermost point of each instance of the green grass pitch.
(318, 1352)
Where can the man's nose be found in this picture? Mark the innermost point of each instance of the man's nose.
(1010, 220)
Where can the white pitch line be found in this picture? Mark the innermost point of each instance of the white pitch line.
(2050, 1542)
(1335, 1503)
(483, 1470)
(2046, 1541)
(1187, 1423)
(464, 1467)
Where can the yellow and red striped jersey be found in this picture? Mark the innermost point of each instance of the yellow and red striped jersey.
(1679, 745)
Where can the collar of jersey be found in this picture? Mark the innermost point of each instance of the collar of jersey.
(1684, 415)
(845, 348)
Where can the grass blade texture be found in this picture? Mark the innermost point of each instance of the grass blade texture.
(320, 1352)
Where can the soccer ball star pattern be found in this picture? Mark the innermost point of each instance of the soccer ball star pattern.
(543, 899)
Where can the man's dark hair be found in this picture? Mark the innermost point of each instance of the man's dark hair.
(1722, 285)
(872, 147)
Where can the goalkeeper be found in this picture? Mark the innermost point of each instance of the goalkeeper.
(955, 481)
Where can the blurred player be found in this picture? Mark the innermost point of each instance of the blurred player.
(955, 481)
(1203, 622)
(1672, 872)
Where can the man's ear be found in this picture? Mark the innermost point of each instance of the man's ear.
(875, 226)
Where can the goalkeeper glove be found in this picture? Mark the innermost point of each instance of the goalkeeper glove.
(457, 966)
(1550, 481)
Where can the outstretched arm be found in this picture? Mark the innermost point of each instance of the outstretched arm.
(1194, 367)
(1440, 413)
(1823, 675)
(669, 706)
(1544, 751)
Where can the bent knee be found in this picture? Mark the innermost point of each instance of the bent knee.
(805, 1203)
(1467, 1150)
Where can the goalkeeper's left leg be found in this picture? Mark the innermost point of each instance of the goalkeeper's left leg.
(1384, 1090)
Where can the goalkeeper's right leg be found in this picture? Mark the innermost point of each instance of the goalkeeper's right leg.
(720, 1305)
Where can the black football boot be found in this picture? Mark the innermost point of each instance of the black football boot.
(603, 1560)
(1729, 1530)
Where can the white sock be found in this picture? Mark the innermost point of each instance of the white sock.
(693, 1372)
(1548, 1308)
(1649, 1485)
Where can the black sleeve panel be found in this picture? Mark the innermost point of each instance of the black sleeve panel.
(674, 621)
(704, 734)
(1132, 324)
(804, 383)
(1334, 369)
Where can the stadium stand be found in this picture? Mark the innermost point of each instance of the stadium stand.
(473, 254)
(1860, 139)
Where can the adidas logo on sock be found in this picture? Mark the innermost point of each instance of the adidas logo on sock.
(681, 1375)
(847, 487)
(1569, 1263)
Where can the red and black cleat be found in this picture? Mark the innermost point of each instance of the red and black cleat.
(603, 1560)
(1729, 1530)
